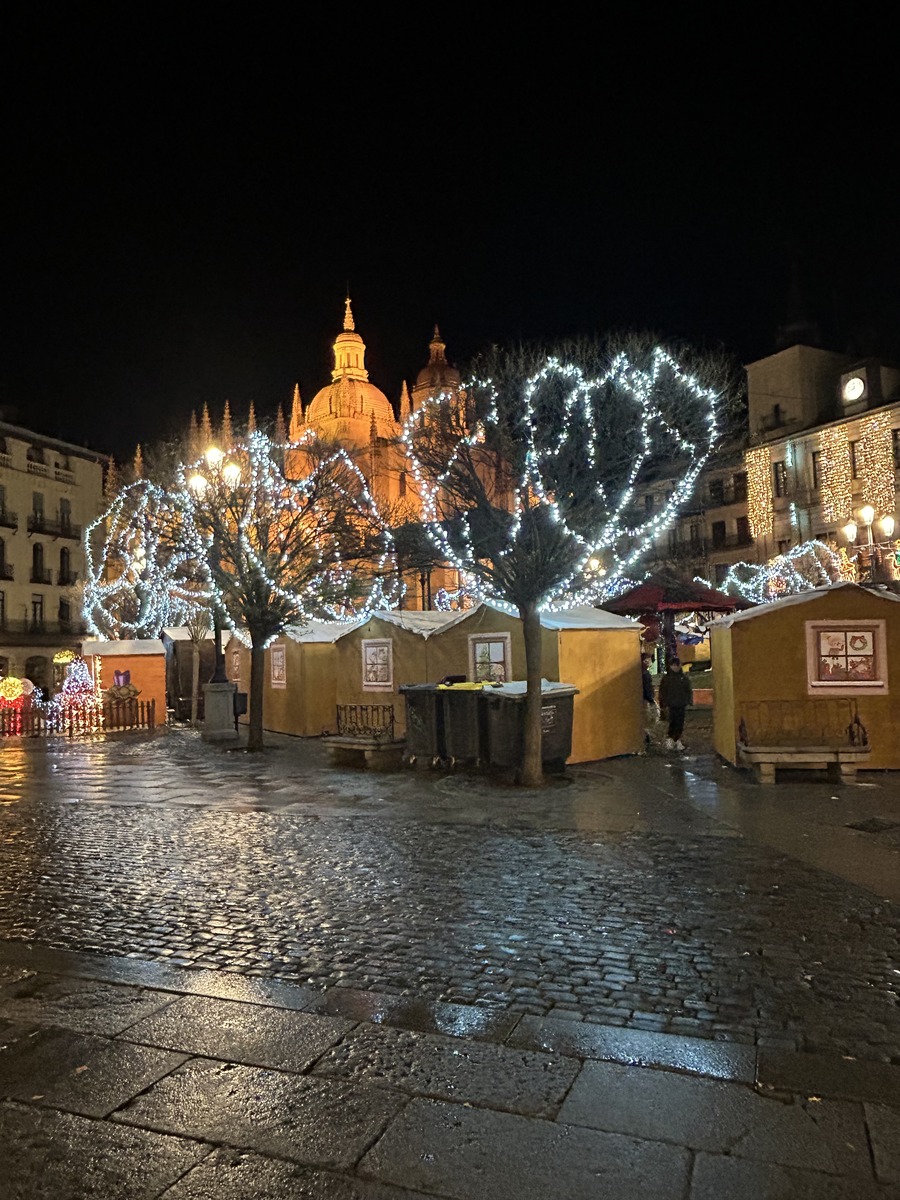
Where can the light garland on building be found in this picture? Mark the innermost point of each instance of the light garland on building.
(836, 482)
(814, 564)
(618, 543)
(758, 465)
(875, 461)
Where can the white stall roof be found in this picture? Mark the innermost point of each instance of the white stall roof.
(320, 631)
(108, 649)
(179, 633)
(760, 610)
(585, 616)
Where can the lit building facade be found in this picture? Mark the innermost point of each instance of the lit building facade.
(819, 460)
(49, 492)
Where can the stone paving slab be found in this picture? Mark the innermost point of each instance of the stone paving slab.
(236, 1175)
(718, 1177)
(472, 1154)
(316, 1122)
(635, 1047)
(478, 1073)
(87, 1006)
(884, 1131)
(50, 1155)
(829, 1075)
(76, 1072)
(720, 1117)
(252, 1034)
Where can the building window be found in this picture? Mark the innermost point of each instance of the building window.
(65, 614)
(37, 614)
(4, 663)
(37, 563)
(846, 656)
(721, 570)
(854, 466)
(817, 468)
(648, 504)
(744, 536)
(673, 541)
(716, 491)
(783, 546)
(65, 515)
(377, 665)
(780, 478)
(740, 487)
(489, 658)
(37, 503)
(696, 533)
(719, 536)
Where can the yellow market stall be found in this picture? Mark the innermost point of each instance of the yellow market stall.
(600, 653)
(595, 651)
(839, 643)
(300, 689)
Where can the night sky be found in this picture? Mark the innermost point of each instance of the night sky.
(183, 223)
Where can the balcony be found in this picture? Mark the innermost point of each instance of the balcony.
(731, 541)
(38, 523)
(50, 631)
(67, 578)
(9, 519)
(7, 571)
(63, 476)
(37, 468)
(44, 577)
(722, 497)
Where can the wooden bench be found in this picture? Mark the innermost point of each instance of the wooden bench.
(365, 738)
(820, 735)
(371, 752)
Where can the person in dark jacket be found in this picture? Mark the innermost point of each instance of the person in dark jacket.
(675, 694)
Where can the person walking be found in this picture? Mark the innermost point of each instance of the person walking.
(651, 708)
(675, 694)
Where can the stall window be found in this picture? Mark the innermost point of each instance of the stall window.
(277, 667)
(236, 664)
(490, 658)
(378, 665)
(846, 656)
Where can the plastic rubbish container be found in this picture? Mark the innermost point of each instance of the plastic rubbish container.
(505, 707)
(424, 721)
(465, 722)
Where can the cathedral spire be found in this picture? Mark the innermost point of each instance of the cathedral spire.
(251, 420)
(280, 432)
(193, 438)
(298, 422)
(348, 316)
(227, 428)
(206, 433)
(405, 406)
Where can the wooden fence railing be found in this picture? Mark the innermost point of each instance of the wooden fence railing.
(73, 721)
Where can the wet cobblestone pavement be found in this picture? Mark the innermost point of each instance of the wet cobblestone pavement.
(624, 894)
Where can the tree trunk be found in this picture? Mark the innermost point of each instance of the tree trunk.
(195, 683)
(257, 679)
(532, 771)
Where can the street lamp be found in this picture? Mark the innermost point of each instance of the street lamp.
(877, 555)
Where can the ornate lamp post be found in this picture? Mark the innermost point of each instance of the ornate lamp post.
(220, 710)
(877, 555)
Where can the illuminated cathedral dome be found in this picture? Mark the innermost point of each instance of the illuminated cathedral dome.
(437, 376)
(347, 408)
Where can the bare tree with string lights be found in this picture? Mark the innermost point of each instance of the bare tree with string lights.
(263, 535)
(530, 486)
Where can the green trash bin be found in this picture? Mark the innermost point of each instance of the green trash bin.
(465, 722)
(424, 722)
(505, 708)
